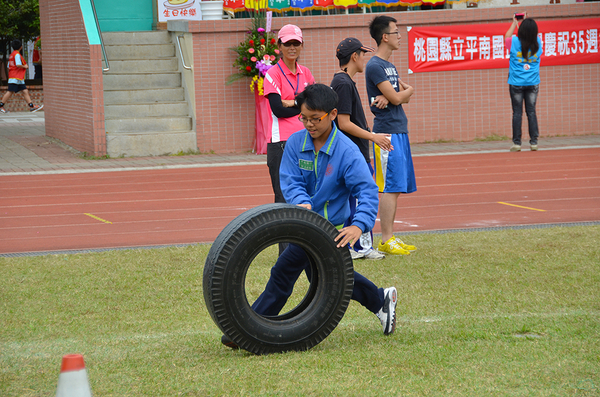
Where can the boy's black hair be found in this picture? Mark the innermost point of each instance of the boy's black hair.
(16, 44)
(346, 60)
(380, 25)
(318, 97)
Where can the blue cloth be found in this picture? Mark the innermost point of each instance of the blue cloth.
(327, 178)
(302, 5)
(394, 171)
(367, 237)
(391, 120)
(524, 72)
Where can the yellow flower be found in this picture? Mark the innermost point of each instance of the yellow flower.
(259, 81)
(252, 84)
(261, 88)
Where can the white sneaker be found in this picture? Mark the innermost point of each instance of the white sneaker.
(375, 255)
(387, 314)
(356, 255)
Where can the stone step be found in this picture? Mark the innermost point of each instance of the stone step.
(141, 81)
(157, 109)
(148, 124)
(143, 65)
(139, 51)
(144, 101)
(145, 143)
(133, 38)
(143, 96)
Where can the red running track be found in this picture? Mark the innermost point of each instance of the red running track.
(155, 207)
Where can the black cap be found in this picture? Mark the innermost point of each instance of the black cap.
(349, 46)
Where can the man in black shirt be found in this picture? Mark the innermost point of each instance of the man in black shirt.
(352, 122)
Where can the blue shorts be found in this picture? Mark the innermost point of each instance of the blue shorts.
(16, 87)
(394, 171)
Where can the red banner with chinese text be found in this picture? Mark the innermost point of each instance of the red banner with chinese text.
(467, 47)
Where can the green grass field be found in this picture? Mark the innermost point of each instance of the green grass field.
(504, 313)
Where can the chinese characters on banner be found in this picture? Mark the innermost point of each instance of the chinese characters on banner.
(467, 47)
(179, 9)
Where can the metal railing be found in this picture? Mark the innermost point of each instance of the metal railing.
(181, 54)
(107, 68)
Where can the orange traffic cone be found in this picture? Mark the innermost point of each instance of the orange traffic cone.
(73, 380)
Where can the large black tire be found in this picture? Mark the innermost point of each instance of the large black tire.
(227, 264)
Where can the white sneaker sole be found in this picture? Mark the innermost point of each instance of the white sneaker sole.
(394, 302)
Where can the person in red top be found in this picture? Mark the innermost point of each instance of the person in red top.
(36, 58)
(17, 67)
(286, 79)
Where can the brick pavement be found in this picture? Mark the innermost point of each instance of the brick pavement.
(24, 150)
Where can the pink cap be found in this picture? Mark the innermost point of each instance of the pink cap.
(289, 32)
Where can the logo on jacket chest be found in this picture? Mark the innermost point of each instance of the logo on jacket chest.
(306, 165)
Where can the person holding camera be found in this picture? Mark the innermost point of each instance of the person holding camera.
(524, 76)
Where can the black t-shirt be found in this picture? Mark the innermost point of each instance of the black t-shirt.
(349, 103)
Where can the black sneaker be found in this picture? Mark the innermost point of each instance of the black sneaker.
(229, 343)
(387, 314)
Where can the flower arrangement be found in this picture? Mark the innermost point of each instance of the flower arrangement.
(255, 55)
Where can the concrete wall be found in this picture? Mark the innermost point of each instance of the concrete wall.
(458, 106)
(73, 93)
(450, 106)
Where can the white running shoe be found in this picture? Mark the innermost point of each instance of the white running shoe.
(375, 255)
(356, 255)
(387, 314)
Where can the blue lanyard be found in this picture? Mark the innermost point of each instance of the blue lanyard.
(288, 80)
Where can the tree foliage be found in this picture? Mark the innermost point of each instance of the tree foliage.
(19, 19)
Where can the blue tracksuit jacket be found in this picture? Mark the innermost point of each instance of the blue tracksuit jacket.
(327, 178)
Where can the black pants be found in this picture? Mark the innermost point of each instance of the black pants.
(518, 95)
(274, 156)
(38, 71)
(289, 266)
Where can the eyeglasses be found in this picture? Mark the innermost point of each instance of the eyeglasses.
(397, 32)
(314, 121)
(292, 43)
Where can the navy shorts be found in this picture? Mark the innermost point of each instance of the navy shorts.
(16, 87)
